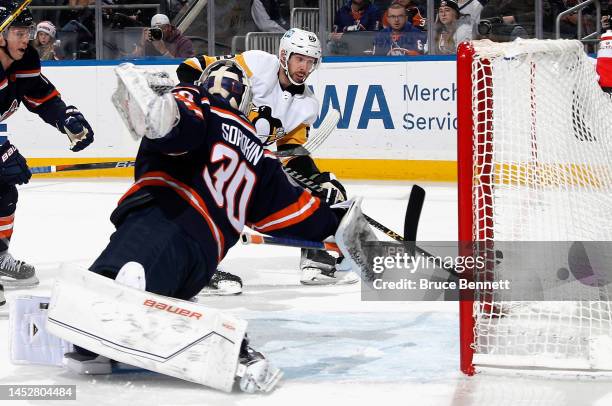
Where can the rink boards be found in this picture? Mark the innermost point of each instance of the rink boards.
(398, 117)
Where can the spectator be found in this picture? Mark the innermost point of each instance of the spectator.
(569, 22)
(268, 17)
(357, 15)
(164, 39)
(414, 14)
(400, 38)
(451, 28)
(606, 19)
(44, 42)
(472, 9)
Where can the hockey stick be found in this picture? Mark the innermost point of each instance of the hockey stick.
(413, 211)
(316, 139)
(327, 126)
(81, 167)
(248, 238)
(411, 221)
(14, 15)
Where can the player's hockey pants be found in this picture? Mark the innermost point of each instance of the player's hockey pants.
(174, 262)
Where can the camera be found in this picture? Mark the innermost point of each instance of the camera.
(155, 34)
(496, 30)
(485, 26)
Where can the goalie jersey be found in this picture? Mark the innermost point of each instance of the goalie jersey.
(23, 82)
(293, 110)
(212, 176)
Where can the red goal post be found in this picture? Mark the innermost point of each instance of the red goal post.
(534, 152)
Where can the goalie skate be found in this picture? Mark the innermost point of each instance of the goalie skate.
(318, 268)
(84, 364)
(222, 284)
(255, 372)
(16, 274)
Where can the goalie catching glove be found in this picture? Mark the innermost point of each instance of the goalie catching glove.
(77, 129)
(13, 166)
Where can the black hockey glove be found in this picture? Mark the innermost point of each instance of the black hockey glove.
(13, 168)
(77, 129)
(335, 192)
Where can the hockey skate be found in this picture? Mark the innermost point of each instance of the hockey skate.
(255, 373)
(222, 284)
(16, 274)
(319, 268)
(84, 362)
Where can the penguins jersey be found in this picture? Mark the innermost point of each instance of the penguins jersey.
(23, 82)
(294, 108)
(212, 176)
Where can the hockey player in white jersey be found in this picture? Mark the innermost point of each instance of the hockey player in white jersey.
(285, 110)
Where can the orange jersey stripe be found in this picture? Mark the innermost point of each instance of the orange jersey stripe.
(6, 233)
(26, 72)
(191, 196)
(292, 214)
(38, 102)
(190, 105)
(7, 220)
(236, 117)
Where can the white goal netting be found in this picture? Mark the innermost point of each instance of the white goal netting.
(542, 171)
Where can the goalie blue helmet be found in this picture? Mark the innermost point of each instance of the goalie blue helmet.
(227, 80)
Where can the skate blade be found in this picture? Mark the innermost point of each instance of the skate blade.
(218, 292)
(346, 280)
(96, 366)
(273, 379)
(225, 289)
(12, 284)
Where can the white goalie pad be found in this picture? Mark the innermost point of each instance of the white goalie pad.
(30, 343)
(173, 337)
(143, 101)
(351, 235)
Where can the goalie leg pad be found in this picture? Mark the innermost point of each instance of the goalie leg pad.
(162, 334)
(352, 235)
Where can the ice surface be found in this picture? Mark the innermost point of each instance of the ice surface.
(334, 348)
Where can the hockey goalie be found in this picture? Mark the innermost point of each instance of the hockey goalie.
(201, 174)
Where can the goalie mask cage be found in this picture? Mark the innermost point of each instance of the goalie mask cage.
(534, 164)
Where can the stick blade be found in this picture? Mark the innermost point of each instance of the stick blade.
(413, 212)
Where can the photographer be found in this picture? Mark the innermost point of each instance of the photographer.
(163, 39)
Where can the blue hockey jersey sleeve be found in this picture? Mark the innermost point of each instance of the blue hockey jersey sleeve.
(282, 209)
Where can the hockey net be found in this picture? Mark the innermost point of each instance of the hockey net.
(535, 164)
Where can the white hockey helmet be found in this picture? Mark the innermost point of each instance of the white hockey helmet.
(299, 42)
(226, 78)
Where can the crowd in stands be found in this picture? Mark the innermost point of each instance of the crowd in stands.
(455, 21)
(360, 27)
